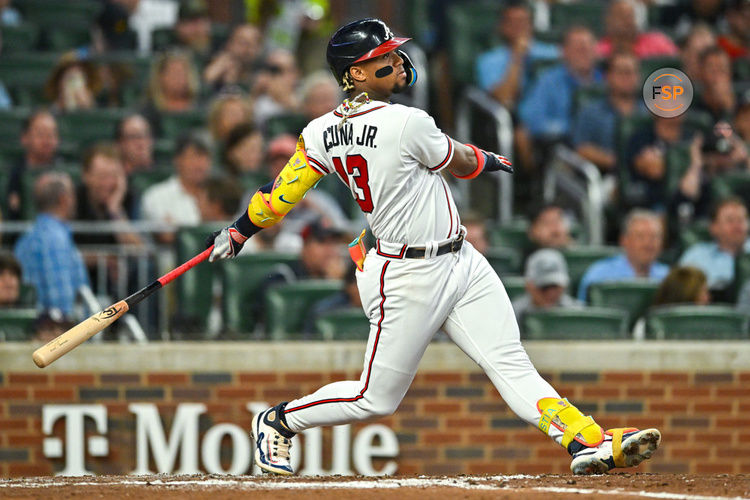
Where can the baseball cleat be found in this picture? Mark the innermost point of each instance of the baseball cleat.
(620, 448)
(271, 447)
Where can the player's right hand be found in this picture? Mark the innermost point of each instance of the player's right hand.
(227, 243)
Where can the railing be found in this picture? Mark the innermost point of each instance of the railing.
(581, 181)
(503, 127)
(135, 265)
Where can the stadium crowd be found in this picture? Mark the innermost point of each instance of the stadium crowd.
(156, 118)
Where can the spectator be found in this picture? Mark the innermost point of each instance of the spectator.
(135, 143)
(173, 86)
(193, 29)
(641, 241)
(104, 196)
(476, 232)
(547, 279)
(73, 84)
(113, 28)
(729, 230)
(742, 118)
(9, 16)
(236, 64)
(243, 151)
(683, 285)
(227, 112)
(49, 258)
(220, 200)
(736, 42)
(549, 227)
(347, 298)
(5, 100)
(40, 141)
(10, 280)
(700, 38)
(174, 202)
(683, 15)
(716, 96)
(319, 94)
(274, 89)
(506, 70)
(594, 129)
(547, 109)
(622, 34)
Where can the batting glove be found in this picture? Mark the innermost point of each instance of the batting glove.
(229, 241)
(494, 162)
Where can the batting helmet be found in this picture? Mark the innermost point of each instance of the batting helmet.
(362, 40)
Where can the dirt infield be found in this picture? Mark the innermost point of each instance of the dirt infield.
(612, 486)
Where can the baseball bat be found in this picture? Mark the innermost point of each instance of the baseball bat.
(66, 342)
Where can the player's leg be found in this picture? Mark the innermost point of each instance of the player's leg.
(403, 301)
(483, 325)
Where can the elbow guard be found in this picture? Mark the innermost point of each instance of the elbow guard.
(273, 201)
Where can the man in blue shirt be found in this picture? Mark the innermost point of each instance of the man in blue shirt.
(729, 227)
(641, 241)
(505, 71)
(48, 256)
(547, 109)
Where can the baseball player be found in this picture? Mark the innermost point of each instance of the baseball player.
(422, 275)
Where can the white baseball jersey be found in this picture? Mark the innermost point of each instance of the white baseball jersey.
(390, 156)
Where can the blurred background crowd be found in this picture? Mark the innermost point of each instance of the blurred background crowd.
(131, 129)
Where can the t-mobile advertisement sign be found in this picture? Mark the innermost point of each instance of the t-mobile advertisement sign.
(180, 450)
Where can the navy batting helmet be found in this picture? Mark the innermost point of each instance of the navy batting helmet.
(362, 40)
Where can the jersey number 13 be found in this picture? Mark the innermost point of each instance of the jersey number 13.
(356, 177)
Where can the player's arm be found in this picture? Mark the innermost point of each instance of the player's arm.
(268, 205)
(469, 161)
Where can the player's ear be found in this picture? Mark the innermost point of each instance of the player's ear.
(357, 73)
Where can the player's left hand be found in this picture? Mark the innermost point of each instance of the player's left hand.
(227, 243)
(494, 162)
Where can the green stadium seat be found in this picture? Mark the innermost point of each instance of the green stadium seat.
(89, 126)
(635, 297)
(139, 182)
(288, 305)
(251, 181)
(504, 260)
(651, 64)
(515, 286)
(344, 324)
(741, 273)
(21, 38)
(17, 324)
(285, 124)
(731, 184)
(27, 295)
(690, 322)
(469, 24)
(586, 13)
(194, 289)
(175, 124)
(242, 279)
(11, 124)
(579, 258)
(25, 76)
(65, 25)
(512, 234)
(590, 323)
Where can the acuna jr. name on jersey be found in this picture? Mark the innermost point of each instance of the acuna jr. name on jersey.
(345, 136)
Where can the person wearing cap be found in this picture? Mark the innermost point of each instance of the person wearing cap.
(193, 28)
(546, 282)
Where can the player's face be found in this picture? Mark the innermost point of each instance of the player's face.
(384, 75)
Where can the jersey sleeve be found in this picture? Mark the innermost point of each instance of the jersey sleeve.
(313, 150)
(422, 140)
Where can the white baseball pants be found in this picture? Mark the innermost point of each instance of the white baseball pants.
(408, 301)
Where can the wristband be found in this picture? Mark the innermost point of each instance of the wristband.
(480, 163)
(245, 226)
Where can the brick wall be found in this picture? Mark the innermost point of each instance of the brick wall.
(450, 421)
